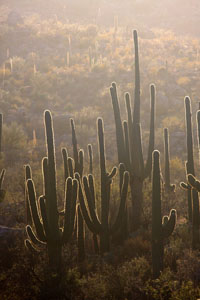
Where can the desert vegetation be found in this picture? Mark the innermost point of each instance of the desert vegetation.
(99, 155)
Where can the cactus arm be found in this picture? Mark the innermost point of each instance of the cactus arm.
(69, 230)
(28, 175)
(84, 211)
(2, 176)
(130, 128)
(65, 163)
(68, 205)
(140, 164)
(188, 116)
(44, 216)
(121, 176)
(90, 155)
(169, 225)
(118, 124)
(34, 210)
(46, 189)
(121, 211)
(75, 188)
(92, 189)
(184, 186)
(30, 247)
(74, 144)
(136, 111)
(71, 166)
(81, 159)
(112, 173)
(105, 185)
(90, 202)
(148, 166)
(193, 182)
(33, 237)
(127, 146)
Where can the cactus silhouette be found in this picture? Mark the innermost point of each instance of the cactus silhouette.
(160, 230)
(129, 142)
(192, 187)
(47, 227)
(101, 226)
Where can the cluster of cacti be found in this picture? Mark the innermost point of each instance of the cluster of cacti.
(129, 141)
(81, 195)
(192, 194)
(101, 227)
(45, 216)
(160, 229)
(47, 229)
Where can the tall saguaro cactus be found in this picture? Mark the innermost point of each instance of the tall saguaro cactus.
(194, 189)
(129, 142)
(190, 157)
(101, 226)
(160, 230)
(47, 229)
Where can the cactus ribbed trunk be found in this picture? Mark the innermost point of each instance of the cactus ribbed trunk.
(55, 257)
(195, 219)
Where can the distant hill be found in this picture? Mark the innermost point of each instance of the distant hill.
(181, 16)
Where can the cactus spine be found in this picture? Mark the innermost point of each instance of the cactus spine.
(96, 225)
(160, 230)
(47, 229)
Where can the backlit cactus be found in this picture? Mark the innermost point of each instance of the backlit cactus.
(160, 229)
(47, 227)
(129, 142)
(87, 193)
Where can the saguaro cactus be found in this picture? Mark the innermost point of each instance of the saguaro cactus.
(160, 230)
(190, 158)
(96, 225)
(129, 143)
(195, 184)
(47, 229)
